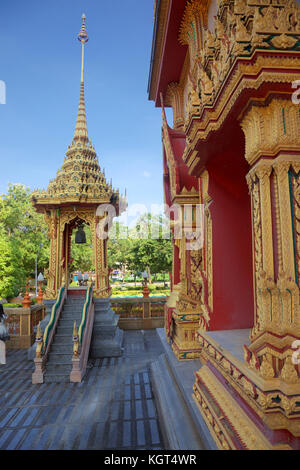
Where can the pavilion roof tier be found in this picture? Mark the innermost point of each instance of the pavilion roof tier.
(80, 180)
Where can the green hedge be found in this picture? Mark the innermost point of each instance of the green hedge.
(12, 305)
(18, 304)
(134, 293)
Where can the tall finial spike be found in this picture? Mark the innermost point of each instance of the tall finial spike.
(82, 36)
(81, 126)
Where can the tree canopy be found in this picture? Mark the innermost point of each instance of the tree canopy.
(147, 245)
(23, 234)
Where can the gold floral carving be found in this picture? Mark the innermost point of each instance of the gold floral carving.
(271, 128)
(237, 35)
(277, 300)
(289, 373)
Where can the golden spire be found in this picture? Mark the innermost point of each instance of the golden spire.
(80, 133)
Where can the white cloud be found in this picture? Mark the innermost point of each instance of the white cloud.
(146, 174)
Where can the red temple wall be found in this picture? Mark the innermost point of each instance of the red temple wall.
(233, 304)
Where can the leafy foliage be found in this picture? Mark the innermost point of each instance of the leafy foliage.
(147, 245)
(12, 273)
(23, 235)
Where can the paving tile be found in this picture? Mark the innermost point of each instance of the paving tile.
(15, 439)
(112, 408)
(30, 438)
(139, 409)
(127, 435)
(151, 409)
(141, 440)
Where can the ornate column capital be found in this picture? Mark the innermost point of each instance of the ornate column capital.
(174, 97)
(271, 128)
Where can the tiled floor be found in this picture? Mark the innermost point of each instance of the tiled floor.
(113, 408)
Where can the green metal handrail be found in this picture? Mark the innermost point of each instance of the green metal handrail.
(52, 317)
(85, 309)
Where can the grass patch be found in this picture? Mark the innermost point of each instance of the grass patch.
(12, 305)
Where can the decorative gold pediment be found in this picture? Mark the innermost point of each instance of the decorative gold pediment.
(241, 27)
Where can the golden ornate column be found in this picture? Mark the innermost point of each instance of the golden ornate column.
(188, 305)
(272, 132)
(51, 218)
(101, 269)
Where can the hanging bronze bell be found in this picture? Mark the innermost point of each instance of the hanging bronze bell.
(80, 237)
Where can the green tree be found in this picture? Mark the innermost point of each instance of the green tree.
(151, 253)
(152, 246)
(12, 273)
(119, 245)
(23, 231)
(147, 245)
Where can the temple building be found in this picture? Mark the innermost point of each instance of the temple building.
(230, 70)
(79, 195)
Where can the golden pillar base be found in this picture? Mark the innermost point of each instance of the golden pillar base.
(228, 423)
(242, 410)
(184, 344)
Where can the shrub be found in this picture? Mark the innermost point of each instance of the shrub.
(12, 305)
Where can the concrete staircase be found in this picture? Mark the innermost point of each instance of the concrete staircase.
(107, 338)
(59, 364)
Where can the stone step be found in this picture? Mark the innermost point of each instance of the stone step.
(58, 368)
(56, 378)
(75, 308)
(72, 309)
(173, 383)
(63, 340)
(107, 347)
(70, 316)
(60, 358)
(69, 321)
(106, 333)
(64, 348)
(65, 330)
(106, 318)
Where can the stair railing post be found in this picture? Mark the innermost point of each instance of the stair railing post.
(44, 341)
(82, 338)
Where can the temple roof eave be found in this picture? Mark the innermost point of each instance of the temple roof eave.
(47, 202)
(166, 48)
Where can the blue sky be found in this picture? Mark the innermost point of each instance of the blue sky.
(40, 61)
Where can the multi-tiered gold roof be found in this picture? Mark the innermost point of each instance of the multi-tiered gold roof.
(80, 180)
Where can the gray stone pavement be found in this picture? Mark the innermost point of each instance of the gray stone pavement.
(113, 408)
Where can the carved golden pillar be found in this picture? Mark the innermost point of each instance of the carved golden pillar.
(101, 270)
(272, 132)
(52, 221)
(187, 302)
